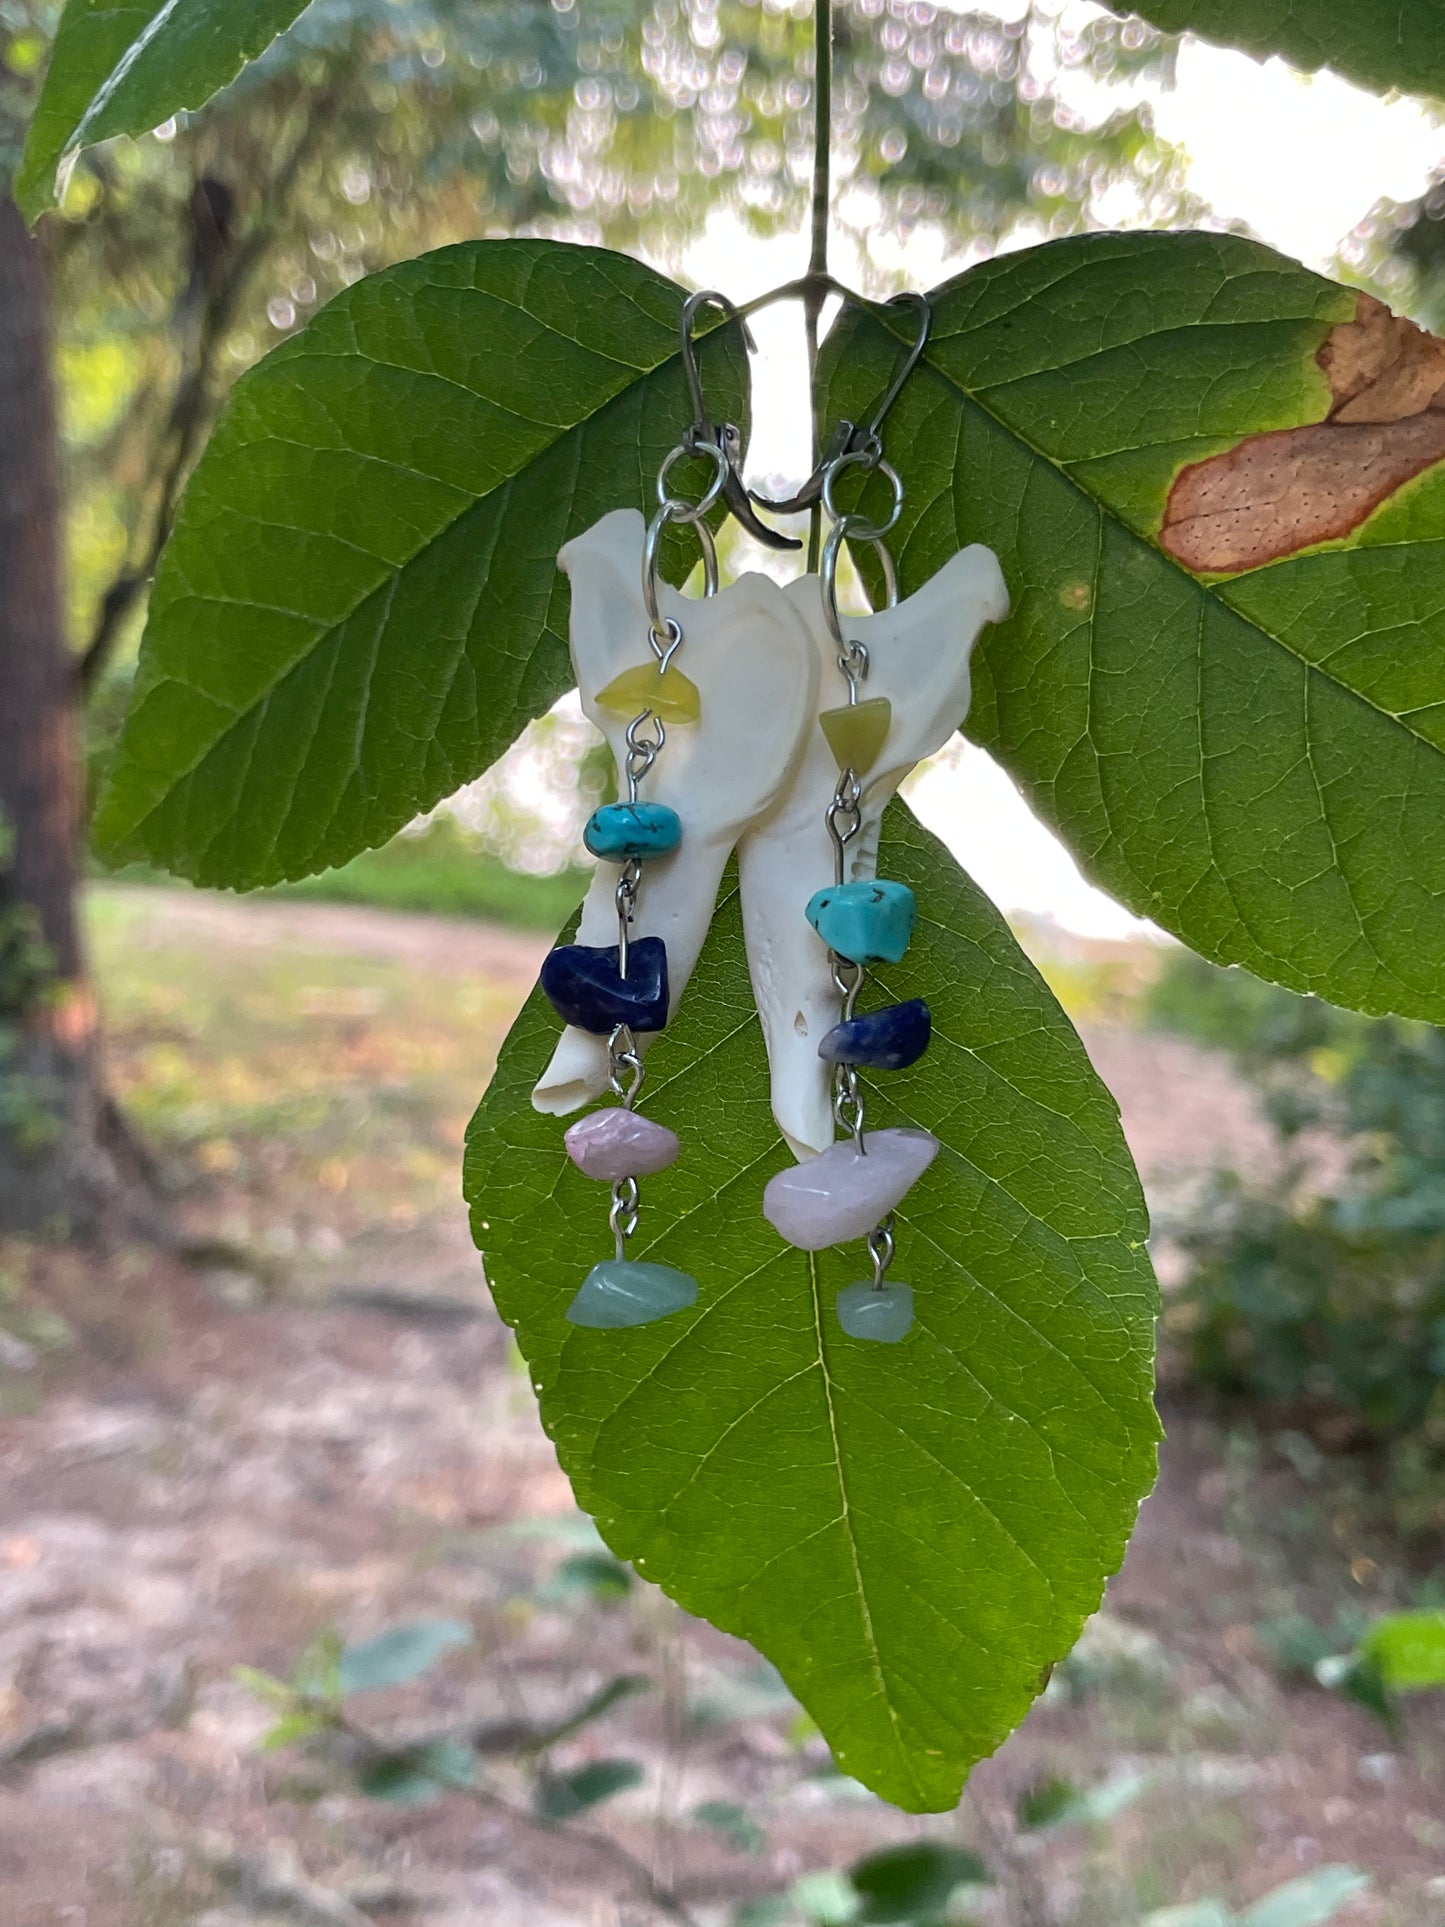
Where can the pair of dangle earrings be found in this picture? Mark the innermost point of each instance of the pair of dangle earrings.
(766, 723)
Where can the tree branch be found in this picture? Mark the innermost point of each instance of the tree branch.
(177, 445)
(815, 294)
(661, 1898)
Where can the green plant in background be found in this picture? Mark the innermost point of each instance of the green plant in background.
(324, 1722)
(1311, 1901)
(27, 1110)
(440, 869)
(1393, 1658)
(1209, 700)
(1322, 1303)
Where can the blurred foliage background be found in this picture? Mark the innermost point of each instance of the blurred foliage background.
(377, 129)
(1316, 1299)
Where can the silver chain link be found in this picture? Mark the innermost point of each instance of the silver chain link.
(626, 1209)
(880, 1249)
(845, 811)
(625, 1072)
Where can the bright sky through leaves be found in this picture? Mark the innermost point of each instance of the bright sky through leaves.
(1333, 151)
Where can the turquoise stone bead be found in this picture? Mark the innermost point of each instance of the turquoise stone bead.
(621, 830)
(882, 1313)
(624, 1291)
(865, 922)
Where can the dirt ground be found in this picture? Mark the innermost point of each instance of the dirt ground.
(320, 1423)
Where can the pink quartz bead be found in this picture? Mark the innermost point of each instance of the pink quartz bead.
(615, 1144)
(842, 1193)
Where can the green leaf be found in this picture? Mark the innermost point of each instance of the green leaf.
(264, 1685)
(400, 1654)
(318, 1669)
(1198, 1913)
(1407, 1650)
(905, 1883)
(1059, 1803)
(560, 1796)
(1358, 1678)
(1401, 45)
(124, 66)
(360, 607)
(1046, 1803)
(622, 1687)
(1256, 760)
(419, 1773)
(769, 1910)
(734, 1823)
(912, 1533)
(826, 1897)
(594, 1576)
(295, 1726)
(1309, 1901)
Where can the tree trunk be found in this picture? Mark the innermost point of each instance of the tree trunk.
(59, 1170)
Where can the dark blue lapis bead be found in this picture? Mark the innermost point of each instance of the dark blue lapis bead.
(883, 1040)
(585, 986)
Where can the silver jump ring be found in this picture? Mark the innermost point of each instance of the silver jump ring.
(861, 529)
(661, 627)
(693, 511)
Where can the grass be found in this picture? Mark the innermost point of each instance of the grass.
(313, 1100)
(440, 871)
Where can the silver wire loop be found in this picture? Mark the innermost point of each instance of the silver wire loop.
(848, 1106)
(626, 1209)
(845, 819)
(665, 641)
(847, 981)
(625, 898)
(660, 627)
(852, 654)
(881, 1247)
(625, 1071)
(642, 751)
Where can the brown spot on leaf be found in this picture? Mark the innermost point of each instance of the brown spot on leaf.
(1285, 490)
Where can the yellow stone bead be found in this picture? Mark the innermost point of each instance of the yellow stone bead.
(857, 732)
(670, 695)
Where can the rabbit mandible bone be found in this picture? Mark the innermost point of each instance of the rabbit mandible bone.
(919, 658)
(750, 654)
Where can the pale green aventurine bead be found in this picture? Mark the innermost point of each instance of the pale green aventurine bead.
(624, 1291)
(883, 1313)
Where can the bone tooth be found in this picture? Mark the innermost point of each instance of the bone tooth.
(756, 670)
(919, 658)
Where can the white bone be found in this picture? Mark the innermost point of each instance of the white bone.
(919, 659)
(756, 670)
